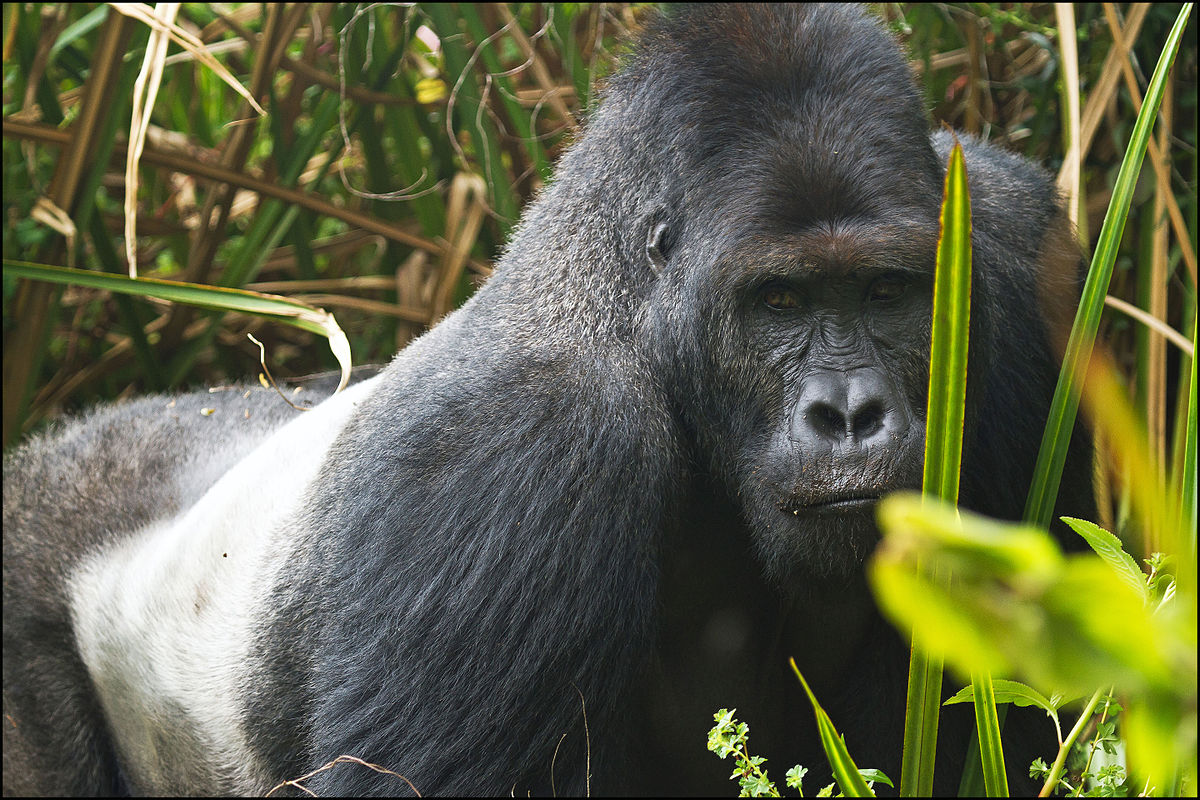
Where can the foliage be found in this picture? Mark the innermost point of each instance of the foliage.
(729, 737)
(1065, 624)
(398, 146)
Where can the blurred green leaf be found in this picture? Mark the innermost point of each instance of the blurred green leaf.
(1017, 606)
(79, 28)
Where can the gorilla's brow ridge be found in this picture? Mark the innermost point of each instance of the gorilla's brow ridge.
(835, 249)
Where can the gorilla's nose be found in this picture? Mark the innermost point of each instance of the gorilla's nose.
(848, 410)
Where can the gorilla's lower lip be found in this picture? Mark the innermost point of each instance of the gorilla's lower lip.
(836, 504)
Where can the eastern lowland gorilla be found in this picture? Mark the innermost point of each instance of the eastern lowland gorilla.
(613, 492)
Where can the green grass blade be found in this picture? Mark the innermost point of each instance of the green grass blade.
(844, 769)
(1186, 469)
(1039, 508)
(282, 309)
(948, 347)
(471, 114)
(987, 725)
(921, 711)
(78, 29)
(518, 116)
(943, 450)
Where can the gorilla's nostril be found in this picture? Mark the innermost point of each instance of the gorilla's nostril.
(827, 420)
(868, 421)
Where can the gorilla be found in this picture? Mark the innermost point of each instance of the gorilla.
(613, 492)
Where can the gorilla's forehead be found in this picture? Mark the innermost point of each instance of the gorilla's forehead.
(750, 244)
(812, 107)
(832, 247)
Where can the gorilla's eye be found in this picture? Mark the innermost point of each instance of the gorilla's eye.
(780, 297)
(889, 287)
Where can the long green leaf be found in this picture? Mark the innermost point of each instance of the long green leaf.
(518, 116)
(845, 771)
(948, 344)
(1063, 408)
(943, 449)
(290, 312)
(987, 725)
(470, 112)
(921, 714)
(78, 29)
(563, 25)
(1187, 467)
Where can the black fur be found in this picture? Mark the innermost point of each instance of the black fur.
(600, 490)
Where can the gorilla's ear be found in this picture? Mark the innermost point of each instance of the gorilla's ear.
(658, 243)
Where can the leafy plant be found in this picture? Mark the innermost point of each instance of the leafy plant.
(729, 737)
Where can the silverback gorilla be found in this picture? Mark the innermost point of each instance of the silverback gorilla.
(613, 492)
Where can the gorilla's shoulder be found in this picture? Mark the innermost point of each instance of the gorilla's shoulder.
(996, 173)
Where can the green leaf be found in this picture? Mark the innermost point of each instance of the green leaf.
(1108, 547)
(469, 114)
(290, 312)
(987, 726)
(794, 778)
(968, 544)
(1007, 691)
(943, 449)
(78, 29)
(948, 343)
(876, 775)
(914, 601)
(1065, 624)
(844, 770)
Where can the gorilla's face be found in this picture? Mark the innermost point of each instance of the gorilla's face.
(815, 347)
(795, 288)
(838, 326)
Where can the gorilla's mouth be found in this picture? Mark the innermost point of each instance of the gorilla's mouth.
(839, 503)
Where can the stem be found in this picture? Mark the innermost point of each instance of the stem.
(1060, 763)
(749, 768)
(1092, 754)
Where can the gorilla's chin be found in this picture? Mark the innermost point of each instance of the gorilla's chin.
(802, 547)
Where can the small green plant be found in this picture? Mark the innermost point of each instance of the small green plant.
(731, 737)
(1095, 767)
